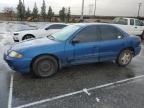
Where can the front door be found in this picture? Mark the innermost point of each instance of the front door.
(85, 46)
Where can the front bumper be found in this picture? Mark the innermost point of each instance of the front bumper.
(15, 39)
(19, 65)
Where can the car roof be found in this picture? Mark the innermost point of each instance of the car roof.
(90, 24)
(57, 23)
(130, 18)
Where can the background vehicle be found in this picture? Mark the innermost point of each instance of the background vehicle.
(43, 31)
(130, 25)
(75, 44)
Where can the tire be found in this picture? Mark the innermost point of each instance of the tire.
(124, 57)
(142, 36)
(28, 36)
(44, 66)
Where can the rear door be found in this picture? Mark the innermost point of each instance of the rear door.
(111, 43)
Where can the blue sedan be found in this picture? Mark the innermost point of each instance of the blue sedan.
(75, 44)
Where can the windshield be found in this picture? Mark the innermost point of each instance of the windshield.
(120, 21)
(65, 33)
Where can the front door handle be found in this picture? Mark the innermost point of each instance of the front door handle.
(135, 27)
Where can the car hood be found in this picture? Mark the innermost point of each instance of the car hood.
(34, 43)
(29, 31)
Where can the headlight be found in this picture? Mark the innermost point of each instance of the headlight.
(15, 54)
(15, 38)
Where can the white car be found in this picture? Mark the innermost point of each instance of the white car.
(132, 26)
(43, 31)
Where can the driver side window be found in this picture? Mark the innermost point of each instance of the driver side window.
(88, 34)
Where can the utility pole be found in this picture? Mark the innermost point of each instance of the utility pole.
(95, 8)
(23, 2)
(24, 9)
(140, 4)
(82, 11)
(91, 6)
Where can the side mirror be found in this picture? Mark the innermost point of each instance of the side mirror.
(75, 42)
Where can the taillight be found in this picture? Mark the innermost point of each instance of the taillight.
(138, 41)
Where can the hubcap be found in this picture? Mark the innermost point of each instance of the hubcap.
(126, 57)
(45, 67)
(28, 37)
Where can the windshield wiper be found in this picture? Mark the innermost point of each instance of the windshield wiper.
(51, 37)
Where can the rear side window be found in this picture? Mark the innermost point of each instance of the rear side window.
(131, 21)
(88, 34)
(57, 26)
(138, 23)
(110, 33)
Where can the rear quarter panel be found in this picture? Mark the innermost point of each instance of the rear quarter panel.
(134, 42)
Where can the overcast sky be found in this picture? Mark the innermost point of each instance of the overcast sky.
(104, 7)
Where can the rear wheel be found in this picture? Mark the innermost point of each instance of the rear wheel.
(45, 66)
(28, 36)
(124, 57)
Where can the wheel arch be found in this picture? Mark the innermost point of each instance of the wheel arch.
(127, 48)
(46, 54)
(28, 34)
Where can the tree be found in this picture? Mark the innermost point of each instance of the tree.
(35, 11)
(62, 14)
(50, 13)
(68, 14)
(9, 12)
(28, 13)
(20, 10)
(43, 10)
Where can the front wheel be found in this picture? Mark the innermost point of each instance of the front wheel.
(28, 36)
(124, 57)
(45, 66)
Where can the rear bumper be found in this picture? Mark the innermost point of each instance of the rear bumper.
(18, 65)
(137, 50)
